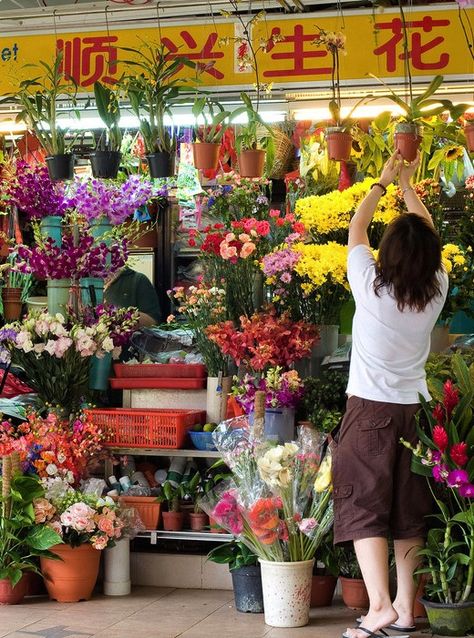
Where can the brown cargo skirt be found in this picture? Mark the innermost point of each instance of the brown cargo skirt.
(375, 492)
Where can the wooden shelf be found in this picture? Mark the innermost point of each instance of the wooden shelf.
(137, 451)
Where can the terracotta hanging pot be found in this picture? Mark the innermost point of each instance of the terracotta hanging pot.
(339, 144)
(12, 303)
(13, 595)
(173, 521)
(73, 578)
(198, 521)
(206, 155)
(251, 163)
(408, 136)
(469, 133)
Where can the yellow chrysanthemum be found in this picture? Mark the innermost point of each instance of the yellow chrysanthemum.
(321, 264)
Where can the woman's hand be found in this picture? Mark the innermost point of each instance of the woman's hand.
(408, 170)
(391, 169)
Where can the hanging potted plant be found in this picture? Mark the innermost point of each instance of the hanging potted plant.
(209, 134)
(444, 456)
(15, 290)
(152, 89)
(338, 136)
(254, 149)
(39, 99)
(245, 572)
(22, 539)
(105, 160)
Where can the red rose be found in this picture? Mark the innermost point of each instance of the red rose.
(440, 438)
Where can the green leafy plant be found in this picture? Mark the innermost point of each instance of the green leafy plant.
(14, 279)
(375, 145)
(21, 539)
(250, 137)
(39, 99)
(213, 118)
(193, 489)
(153, 89)
(348, 564)
(108, 107)
(234, 553)
(325, 399)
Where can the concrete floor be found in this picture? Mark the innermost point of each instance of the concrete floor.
(155, 612)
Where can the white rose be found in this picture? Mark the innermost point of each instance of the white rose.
(51, 469)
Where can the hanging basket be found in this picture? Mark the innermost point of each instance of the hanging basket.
(160, 164)
(105, 164)
(284, 153)
(339, 144)
(206, 155)
(60, 167)
(408, 138)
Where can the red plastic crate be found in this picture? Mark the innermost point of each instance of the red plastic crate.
(156, 383)
(159, 370)
(153, 428)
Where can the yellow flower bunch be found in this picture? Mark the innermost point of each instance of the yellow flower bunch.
(454, 258)
(323, 214)
(321, 264)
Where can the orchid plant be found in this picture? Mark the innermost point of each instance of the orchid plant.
(282, 389)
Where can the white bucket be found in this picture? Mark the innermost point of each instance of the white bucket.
(286, 592)
(117, 569)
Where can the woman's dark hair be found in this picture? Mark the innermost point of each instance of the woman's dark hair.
(408, 261)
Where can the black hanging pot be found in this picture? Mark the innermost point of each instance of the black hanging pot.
(105, 164)
(247, 584)
(160, 164)
(60, 167)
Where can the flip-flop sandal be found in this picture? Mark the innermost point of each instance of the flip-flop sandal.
(370, 634)
(395, 627)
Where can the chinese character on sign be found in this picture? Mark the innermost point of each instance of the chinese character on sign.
(90, 59)
(300, 51)
(204, 54)
(419, 45)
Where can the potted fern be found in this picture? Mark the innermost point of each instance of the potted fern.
(152, 90)
(209, 129)
(39, 100)
(105, 160)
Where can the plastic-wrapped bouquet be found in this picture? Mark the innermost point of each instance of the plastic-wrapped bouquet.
(278, 501)
(282, 389)
(55, 351)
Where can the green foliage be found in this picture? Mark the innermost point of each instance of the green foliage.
(21, 539)
(348, 565)
(152, 89)
(249, 137)
(376, 145)
(325, 399)
(39, 97)
(440, 367)
(234, 553)
(215, 120)
(108, 107)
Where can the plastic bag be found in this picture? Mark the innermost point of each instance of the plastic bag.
(162, 345)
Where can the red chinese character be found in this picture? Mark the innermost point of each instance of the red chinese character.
(205, 54)
(88, 60)
(298, 54)
(417, 49)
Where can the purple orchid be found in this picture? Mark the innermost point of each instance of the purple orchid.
(456, 478)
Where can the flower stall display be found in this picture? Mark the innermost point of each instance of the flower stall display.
(22, 537)
(444, 455)
(278, 503)
(55, 351)
(458, 263)
(235, 197)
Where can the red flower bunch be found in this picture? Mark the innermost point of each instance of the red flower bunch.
(264, 340)
(264, 520)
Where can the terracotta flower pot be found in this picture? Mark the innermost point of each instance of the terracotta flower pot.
(419, 610)
(173, 521)
(469, 133)
(148, 509)
(354, 593)
(73, 578)
(215, 527)
(206, 155)
(251, 163)
(13, 595)
(12, 303)
(407, 140)
(339, 144)
(322, 590)
(198, 521)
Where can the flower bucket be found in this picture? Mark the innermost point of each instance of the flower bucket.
(117, 569)
(322, 590)
(286, 592)
(469, 133)
(280, 424)
(328, 342)
(216, 398)
(105, 164)
(60, 167)
(13, 595)
(251, 163)
(51, 228)
(73, 578)
(247, 585)
(407, 140)
(450, 620)
(12, 303)
(92, 291)
(99, 227)
(339, 144)
(206, 155)
(99, 372)
(58, 295)
(354, 593)
(160, 164)
(173, 521)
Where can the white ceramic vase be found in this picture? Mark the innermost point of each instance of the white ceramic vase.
(287, 592)
(117, 569)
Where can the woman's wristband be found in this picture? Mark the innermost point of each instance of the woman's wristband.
(384, 190)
